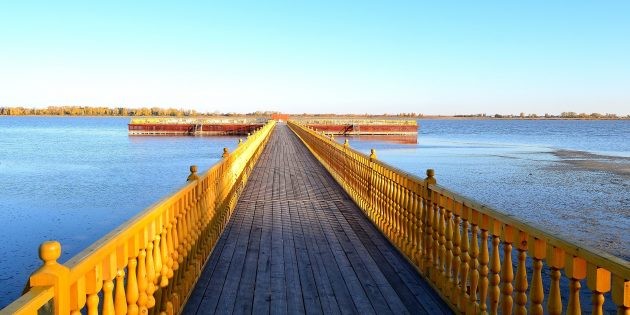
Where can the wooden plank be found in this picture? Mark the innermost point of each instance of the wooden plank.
(230, 286)
(277, 281)
(312, 304)
(262, 290)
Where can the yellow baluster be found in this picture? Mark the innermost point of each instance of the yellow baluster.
(521, 279)
(120, 301)
(92, 304)
(465, 267)
(599, 281)
(448, 276)
(621, 294)
(555, 260)
(108, 298)
(506, 278)
(132, 287)
(150, 276)
(537, 249)
(473, 306)
(484, 259)
(495, 267)
(143, 282)
(456, 255)
(575, 270)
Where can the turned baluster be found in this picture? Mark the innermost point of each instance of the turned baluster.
(448, 276)
(93, 285)
(120, 301)
(575, 269)
(150, 264)
(495, 268)
(465, 258)
(484, 259)
(437, 246)
(599, 281)
(521, 277)
(555, 260)
(143, 283)
(132, 287)
(621, 294)
(508, 271)
(537, 249)
(473, 306)
(108, 298)
(455, 267)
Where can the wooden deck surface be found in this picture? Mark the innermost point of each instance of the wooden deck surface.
(297, 244)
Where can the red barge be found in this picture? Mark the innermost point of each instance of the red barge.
(243, 126)
(194, 126)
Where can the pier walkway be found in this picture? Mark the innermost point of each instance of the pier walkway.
(297, 243)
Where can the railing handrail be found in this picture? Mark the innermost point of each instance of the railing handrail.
(610, 262)
(190, 220)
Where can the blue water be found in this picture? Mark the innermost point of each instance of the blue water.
(75, 179)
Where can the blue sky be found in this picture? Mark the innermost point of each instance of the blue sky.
(321, 56)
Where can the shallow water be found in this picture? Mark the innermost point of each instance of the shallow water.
(570, 177)
(75, 179)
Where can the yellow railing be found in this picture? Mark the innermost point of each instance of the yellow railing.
(449, 239)
(150, 264)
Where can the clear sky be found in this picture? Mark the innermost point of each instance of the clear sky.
(433, 57)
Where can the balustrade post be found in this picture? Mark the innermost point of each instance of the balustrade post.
(575, 270)
(621, 294)
(193, 174)
(537, 249)
(495, 267)
(53, 274)
(598, 280)
(555, 260)
(226, 153)
(428, 224)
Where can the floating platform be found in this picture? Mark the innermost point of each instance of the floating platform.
(243, 126)
(194, 126)
(371, 127)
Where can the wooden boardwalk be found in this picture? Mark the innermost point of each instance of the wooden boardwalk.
(297, 244)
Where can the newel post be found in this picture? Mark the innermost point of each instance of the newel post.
(51, 273)
(428, 224)
(226, 153)
(372, 181)
(193, 174)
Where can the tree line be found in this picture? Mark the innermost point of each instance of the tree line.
(96, 111)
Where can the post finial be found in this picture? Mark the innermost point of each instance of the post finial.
(346, 143)
(430, 176)
(240, 141)
(193, 173)
(332, 137)
(226, 153)
(372, 154)
(49, 252)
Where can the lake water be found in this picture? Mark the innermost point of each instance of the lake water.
(75, 179)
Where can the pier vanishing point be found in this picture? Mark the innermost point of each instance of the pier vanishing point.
(292, 222)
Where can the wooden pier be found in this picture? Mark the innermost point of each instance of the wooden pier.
(298, 244)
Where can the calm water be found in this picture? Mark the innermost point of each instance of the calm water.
(74, 179)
